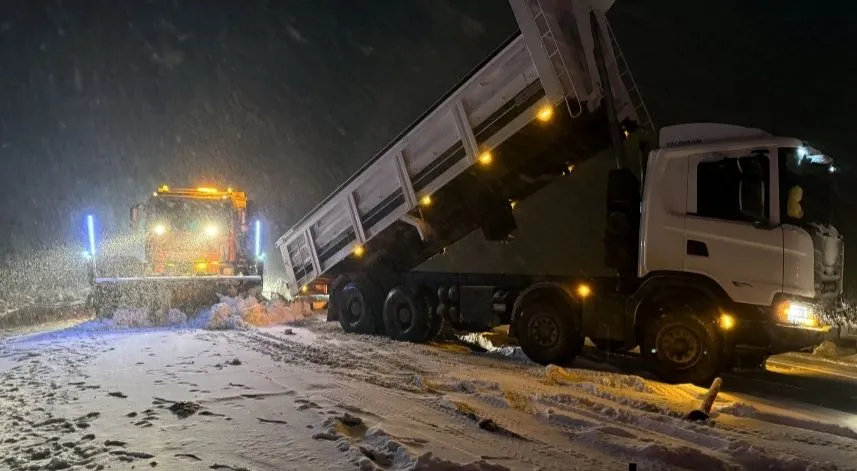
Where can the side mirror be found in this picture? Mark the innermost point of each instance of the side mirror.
(135, 217)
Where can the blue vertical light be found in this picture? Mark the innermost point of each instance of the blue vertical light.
(258, 238)
(90, 229)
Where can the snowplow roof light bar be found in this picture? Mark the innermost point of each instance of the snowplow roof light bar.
(239, 198)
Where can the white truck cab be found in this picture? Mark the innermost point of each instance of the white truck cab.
(748, 211)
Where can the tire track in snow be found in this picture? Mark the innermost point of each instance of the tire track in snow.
(457, 432)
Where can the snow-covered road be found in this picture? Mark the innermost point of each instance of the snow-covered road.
(313, 397)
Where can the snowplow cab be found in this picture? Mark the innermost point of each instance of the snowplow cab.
(198, 243)
(197, 231)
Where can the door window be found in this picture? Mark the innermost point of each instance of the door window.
(734, 189)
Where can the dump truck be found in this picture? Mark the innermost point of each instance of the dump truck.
(714, 263)
(196, 243)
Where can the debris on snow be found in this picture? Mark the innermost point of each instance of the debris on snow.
(270, 421)
(350, 420)
(184, 409)
(703, 413)
(326, 435)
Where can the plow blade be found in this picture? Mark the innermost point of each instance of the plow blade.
(186, 293)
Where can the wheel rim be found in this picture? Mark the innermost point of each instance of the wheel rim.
(404, 316)
(679, 345)
(544, 331)
(355, 309)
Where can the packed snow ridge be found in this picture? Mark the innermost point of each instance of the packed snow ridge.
(229, 313)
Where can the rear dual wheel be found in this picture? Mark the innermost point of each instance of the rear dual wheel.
(407, 313)
(358, 302)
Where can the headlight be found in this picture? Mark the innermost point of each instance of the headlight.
(797, 314)
(211, 230)
(160, 229)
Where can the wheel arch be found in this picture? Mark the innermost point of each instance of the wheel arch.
(659, 284)
(545, 289)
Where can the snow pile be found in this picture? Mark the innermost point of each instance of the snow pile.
(562, 375)
(830, 352)
(827, 349)
(490, 341)
(228, 314)
(240, 313)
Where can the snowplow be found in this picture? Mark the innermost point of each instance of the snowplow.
(186, 247)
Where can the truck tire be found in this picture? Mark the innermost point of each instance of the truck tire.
(547, 332)
(432, 302)
(682, 348)
(358, 304)
(407, 315)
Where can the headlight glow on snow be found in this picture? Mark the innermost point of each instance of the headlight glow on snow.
(90, 229)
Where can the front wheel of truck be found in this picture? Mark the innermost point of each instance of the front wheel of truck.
(682, 348)
(358, 306)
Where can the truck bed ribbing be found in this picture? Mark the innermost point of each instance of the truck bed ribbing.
(539, 69)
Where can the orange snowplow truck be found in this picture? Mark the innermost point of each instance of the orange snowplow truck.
(199, 242)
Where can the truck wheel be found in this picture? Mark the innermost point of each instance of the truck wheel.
(547, 332)
(682, 349)
(407, 315)
(358, 306)
(436, 323)
(607, 345)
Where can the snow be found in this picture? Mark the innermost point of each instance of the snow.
(228, 314)
(214, 389)
(745, 410)
(827, 349)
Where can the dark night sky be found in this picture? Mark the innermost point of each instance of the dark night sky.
(103, 100)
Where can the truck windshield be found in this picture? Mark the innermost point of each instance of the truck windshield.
(807, 187)
(187, 214)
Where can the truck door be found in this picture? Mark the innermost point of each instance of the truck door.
(730, 234)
